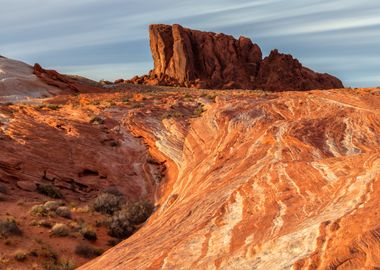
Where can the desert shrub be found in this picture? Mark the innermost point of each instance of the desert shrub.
(113, 242)
(33, 253)
(60, 229)
(53, 107)
(139, 212)
(53, 205)
(122, 224)
(50, 191)
(20, 256)
(63, 211)
(87, 251)
(39, 210)
(88, 233)
(62, 265)
(119, 225)
(113, 190)
(9, 227)
(107, 203)
(45, 223)
(48, 254)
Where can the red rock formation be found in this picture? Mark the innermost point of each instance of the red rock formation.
(193, 58)
(282, 71)
(66, 82)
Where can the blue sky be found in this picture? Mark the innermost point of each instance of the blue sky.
(108, 39)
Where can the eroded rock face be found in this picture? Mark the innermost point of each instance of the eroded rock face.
(70, 84)
(185, 57)
(283, 181)
(282, 71)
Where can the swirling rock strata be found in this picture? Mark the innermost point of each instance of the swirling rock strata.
(283, 181)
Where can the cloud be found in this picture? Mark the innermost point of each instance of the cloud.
(106, 71)
(99, 34)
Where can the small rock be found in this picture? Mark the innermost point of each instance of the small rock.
(27, 186)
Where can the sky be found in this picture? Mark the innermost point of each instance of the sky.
(108, 39)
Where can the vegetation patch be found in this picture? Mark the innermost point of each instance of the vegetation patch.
(20, 256)
(63, 211)
(107, 203)
(53, 205)
(60, 229)
(60, 265)
(9, 227)
(87, 251)
(39, 210)
(50, 191)
(88, 233)
(123, 223)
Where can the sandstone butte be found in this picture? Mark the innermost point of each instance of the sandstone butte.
(191, 58)
(240, 179)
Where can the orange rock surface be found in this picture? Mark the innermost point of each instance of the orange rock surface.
(284, 181)
(240, 179)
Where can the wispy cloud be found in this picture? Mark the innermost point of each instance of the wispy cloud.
(96, 34)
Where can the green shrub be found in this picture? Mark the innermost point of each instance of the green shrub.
(87, 251)
(107, 203)
(49, 190)
(9, 227)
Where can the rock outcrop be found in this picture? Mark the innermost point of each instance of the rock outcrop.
(191, 58)
(74, 84)
(17, 81)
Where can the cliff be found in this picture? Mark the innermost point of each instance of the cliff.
(191, 58)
